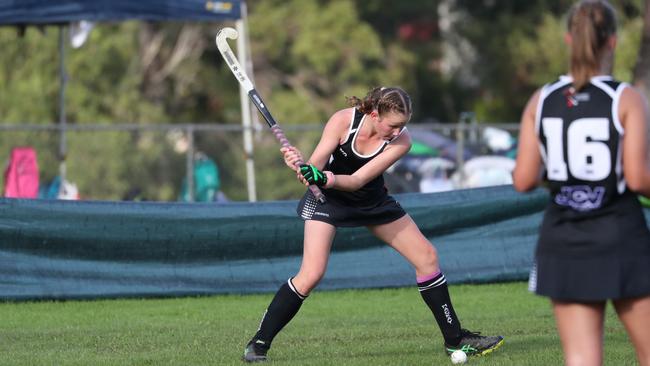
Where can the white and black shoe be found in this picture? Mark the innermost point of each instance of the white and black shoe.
(475, 344)
(255, 351)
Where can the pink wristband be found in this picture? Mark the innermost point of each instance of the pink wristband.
(331, 179)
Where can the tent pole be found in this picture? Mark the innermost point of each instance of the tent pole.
(246, 111)
(189, 161)
(255, 120)
(62, 119)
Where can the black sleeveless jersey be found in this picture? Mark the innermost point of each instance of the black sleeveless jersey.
(594, 242)
(346, 160)
(581, 143)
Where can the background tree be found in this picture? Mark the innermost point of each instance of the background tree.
(642, 68)
(452, 56)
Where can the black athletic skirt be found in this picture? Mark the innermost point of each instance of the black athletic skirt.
(338, 214)
(593, 259)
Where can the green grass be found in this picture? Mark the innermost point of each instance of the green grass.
(356, 327)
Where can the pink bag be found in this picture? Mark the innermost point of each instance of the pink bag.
(21, 176)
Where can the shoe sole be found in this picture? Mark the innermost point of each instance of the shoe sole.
(254, 360)
(491, 349)
(484, 352)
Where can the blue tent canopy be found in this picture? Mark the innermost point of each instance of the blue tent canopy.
(25, 12)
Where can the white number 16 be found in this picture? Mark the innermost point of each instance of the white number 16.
(588, 154)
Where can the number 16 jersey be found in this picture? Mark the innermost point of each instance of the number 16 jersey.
(581, 142)
(594, 242)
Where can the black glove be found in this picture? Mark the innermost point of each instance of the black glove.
(313, 175)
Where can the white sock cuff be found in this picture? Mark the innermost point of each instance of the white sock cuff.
(295, 291)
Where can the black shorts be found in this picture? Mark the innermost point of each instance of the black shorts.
(595, 259)
(591, 279)
(340, 215)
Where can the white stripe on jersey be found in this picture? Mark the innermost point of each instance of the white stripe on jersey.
(546, 90)
(617, 99)
(596, 81)
(350, 130)
(355, 139)
(622, 184)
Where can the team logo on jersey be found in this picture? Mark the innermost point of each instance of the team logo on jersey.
(581, 198)
(343, 152)
(573, 98)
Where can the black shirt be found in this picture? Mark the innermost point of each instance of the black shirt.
(346, 160)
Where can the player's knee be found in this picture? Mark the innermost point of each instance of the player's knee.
(578, 361)
(580, 358)
(428, 260)
(431, 256)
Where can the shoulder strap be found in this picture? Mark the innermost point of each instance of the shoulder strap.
(357, 116)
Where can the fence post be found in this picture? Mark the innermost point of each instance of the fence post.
(189, 162)
(460, 146)
(63, 75)
(246, 116)
(470, 118)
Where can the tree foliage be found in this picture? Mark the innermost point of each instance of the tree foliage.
(451, 55)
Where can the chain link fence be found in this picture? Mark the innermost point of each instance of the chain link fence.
(155, 161)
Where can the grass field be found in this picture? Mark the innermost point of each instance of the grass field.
(360, 327)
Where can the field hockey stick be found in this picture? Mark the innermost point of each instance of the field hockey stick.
(240, 75)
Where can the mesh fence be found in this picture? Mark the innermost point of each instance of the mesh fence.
(150, 162)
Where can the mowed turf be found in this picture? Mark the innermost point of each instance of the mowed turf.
(355, 327)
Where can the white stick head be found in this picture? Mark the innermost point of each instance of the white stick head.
(223, 35)
(231, 60)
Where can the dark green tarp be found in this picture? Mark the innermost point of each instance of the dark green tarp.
(53, 249)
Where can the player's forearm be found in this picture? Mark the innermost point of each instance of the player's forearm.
(349, 183)
(524, 182)
(640, 183)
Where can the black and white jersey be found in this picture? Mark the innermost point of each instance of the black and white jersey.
(594, 242)
(346, 160)
(368, 206)
(580, 139)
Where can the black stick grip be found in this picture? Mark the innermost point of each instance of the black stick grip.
(261, 106)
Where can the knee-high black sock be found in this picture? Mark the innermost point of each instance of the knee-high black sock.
(436, 295)
(283, 307)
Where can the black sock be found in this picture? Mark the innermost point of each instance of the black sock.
(436, 295)
(283, 307)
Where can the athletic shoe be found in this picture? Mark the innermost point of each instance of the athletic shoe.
(255, 351)
(474, 344)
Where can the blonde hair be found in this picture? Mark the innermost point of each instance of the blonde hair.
(384, 99)
(590, 24)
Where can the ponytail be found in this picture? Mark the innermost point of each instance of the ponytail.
(383, 100)
(590, 24)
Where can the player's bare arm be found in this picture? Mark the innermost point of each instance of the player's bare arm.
(527, 170)
(334, 132)
(633, 114)
(377, 166)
